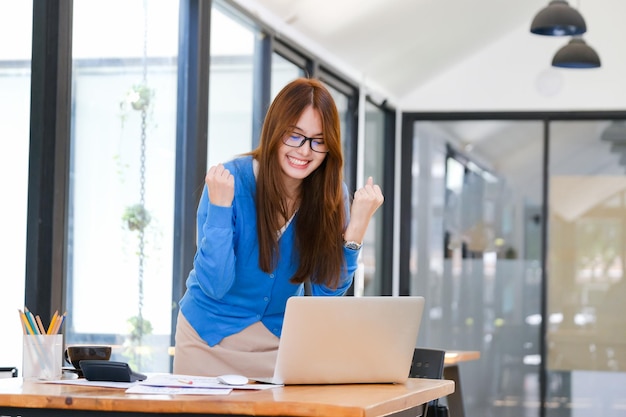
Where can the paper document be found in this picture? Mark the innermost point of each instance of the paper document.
(147, 389)
(188, 381)
(168, 384)
(87, 383)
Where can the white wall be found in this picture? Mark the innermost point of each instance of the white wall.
(514, 73)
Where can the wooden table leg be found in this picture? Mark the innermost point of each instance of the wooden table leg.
(455, 400)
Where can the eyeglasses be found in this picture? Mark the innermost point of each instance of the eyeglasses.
(296, 140)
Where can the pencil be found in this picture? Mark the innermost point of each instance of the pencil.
(24, 329)
(26, 322)
(42, 330)
(31, 319)
(53, 322)
(58, 323)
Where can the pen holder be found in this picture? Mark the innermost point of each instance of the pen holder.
(42, 357)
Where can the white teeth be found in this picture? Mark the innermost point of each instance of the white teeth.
(297, 161)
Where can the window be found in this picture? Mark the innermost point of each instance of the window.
(342, 101)
(230, 87)
(374, 149)
(15, 24)
(122, 178)
(283, 72)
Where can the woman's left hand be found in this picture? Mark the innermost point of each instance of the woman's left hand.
(365, 203)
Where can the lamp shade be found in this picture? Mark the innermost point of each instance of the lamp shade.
(576, 54)
(558, 19)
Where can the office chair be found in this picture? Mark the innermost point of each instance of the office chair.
(8, 372)
(428, 363)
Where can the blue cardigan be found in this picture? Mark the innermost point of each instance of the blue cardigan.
(226, 289)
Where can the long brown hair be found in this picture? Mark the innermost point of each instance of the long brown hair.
(320, 220)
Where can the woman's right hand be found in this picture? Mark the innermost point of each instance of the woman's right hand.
(221, 185)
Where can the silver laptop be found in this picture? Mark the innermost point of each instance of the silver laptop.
(341, 340)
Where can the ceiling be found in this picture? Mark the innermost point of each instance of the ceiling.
(400, 45)
(433, 55)
(427, 35)
(403, 46)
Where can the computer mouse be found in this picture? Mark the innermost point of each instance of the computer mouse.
(231, 379)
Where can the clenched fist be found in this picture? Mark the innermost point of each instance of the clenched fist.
(365, 203)
(221, 185)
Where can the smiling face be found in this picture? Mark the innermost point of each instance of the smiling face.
(298, 163)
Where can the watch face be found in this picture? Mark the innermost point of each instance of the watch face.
(352, 245)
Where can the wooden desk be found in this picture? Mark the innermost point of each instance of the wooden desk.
(24, 398)
(454, 357)
(451, 372)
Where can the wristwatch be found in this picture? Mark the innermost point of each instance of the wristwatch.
(352, 245)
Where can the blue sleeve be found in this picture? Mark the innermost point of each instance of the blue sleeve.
(214, 261)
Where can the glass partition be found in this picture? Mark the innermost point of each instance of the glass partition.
(475, 231)
(587, 287)
(16, 18)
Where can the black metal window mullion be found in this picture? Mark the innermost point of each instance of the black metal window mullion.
(406, 214)
(294, 56)
(388, 208)
(48, 181)
(543, 349)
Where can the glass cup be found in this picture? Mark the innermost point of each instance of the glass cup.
(42, 357)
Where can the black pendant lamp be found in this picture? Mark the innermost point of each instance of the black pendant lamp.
(615, 132)
(558, 19)
(576, 54)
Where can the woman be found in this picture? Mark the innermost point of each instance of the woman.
(267, 222)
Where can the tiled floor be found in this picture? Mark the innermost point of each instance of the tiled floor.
(575, 394)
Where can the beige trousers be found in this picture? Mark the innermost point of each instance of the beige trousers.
(251, 352)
